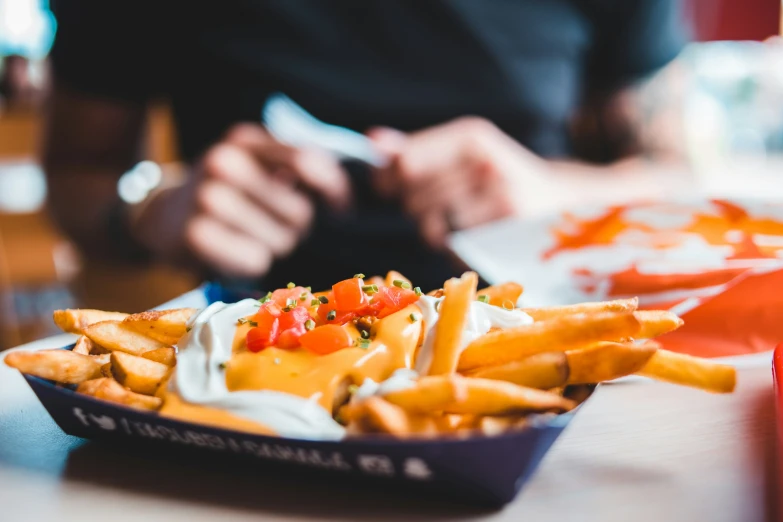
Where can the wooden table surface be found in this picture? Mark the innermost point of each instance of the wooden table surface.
(640, 451)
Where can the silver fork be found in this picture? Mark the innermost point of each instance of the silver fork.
(291, 124)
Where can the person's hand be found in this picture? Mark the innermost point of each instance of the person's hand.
(247, 203)
(458, 175)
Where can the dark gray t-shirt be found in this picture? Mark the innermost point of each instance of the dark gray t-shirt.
(524, 64)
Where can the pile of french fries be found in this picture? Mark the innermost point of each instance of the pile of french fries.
(492, 385)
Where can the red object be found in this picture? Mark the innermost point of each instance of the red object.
(289, 339)
(394, 299)
(348, 295)
(733, 19)
(294, 317)
(777, 377)
(259, 338)
(340, 317)
(326, 339)
(299, 294)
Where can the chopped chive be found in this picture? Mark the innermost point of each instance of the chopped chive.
(370, 289)
(309, 324)
(483, 298)
(365, 334)
(508, 305)
(352, 388)
(418, 291)
(222, 366)
(290, 302)
(437, 306)
(277, 360)
(413, 317)
(331, 315)
(398, 283)
(266, 298)
(359, 276)
(362, 343)
(315, 302)
(242, 320)
(290, 285)
(309, 288)
(188, 329)
(323, 299)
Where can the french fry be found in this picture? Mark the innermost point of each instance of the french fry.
(103, 358)
(83, 345)
(430, 394)
(166, 326)
(166, 355)
(491, 397)
(454, 310)
(375, 415)
(375, 280)
(106, 370)
(558, 334)
(435, 293)
(393, 275)
(62, 366)
(553, 312)
(656, 322)
(76, 320)
(678, 368)
(542, 371)
(606, 361)
(108, 389)
(502, 294)
(117, 336)
(137, 373)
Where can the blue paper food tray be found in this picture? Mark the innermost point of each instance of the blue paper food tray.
(480, 469)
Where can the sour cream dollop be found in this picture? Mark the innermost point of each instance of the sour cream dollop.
(200, 379)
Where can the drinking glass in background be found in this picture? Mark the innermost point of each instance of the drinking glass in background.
(734, 116)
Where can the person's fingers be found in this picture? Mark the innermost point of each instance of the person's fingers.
(389, 142)
(434, 227)
(315, 169)
(231, 207)
(233, 165)
(226, 250)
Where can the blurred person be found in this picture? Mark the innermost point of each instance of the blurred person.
(486, 109)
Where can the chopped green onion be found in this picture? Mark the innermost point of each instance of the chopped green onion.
(399, 283)
(359, 276)
(290, 303)
(244, 320)
(483, 298)
(417, 291)
(413, 317)
(365, 334)
(508, 305)
(188, 329)
(309, 288)
(352, 388)
(222, 366)
(370, 289)
(266, 298)
(290, 285)
(331, 315)
(309, 324)
(362, 343)
(315, 302)
(323, 299)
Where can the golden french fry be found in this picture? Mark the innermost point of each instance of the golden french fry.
(496, 425)
(552, 312)
(106, 370)
(558, 334)
(62, 366)
(137, 373)
(491, 397)
(76, 320)
(502, 294)
(117, 336)
(392, 276)
(453, 315)
(108, 389)
(606, 361)
(375, 415)
(103, 358)
(430, 394)
(656, 322)
(438, 292)
(678, 368)
(83, 345)
(166, 326)
(166, 355)
(542, 371)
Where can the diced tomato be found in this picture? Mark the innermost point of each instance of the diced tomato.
(326, 339)
(299, 294)
(348, 295)
(338, 317)
(259, 338)
(394, 299)
(290, 338)
(294, 317)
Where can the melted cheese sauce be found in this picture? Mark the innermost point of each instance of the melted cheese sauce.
(292, 393)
